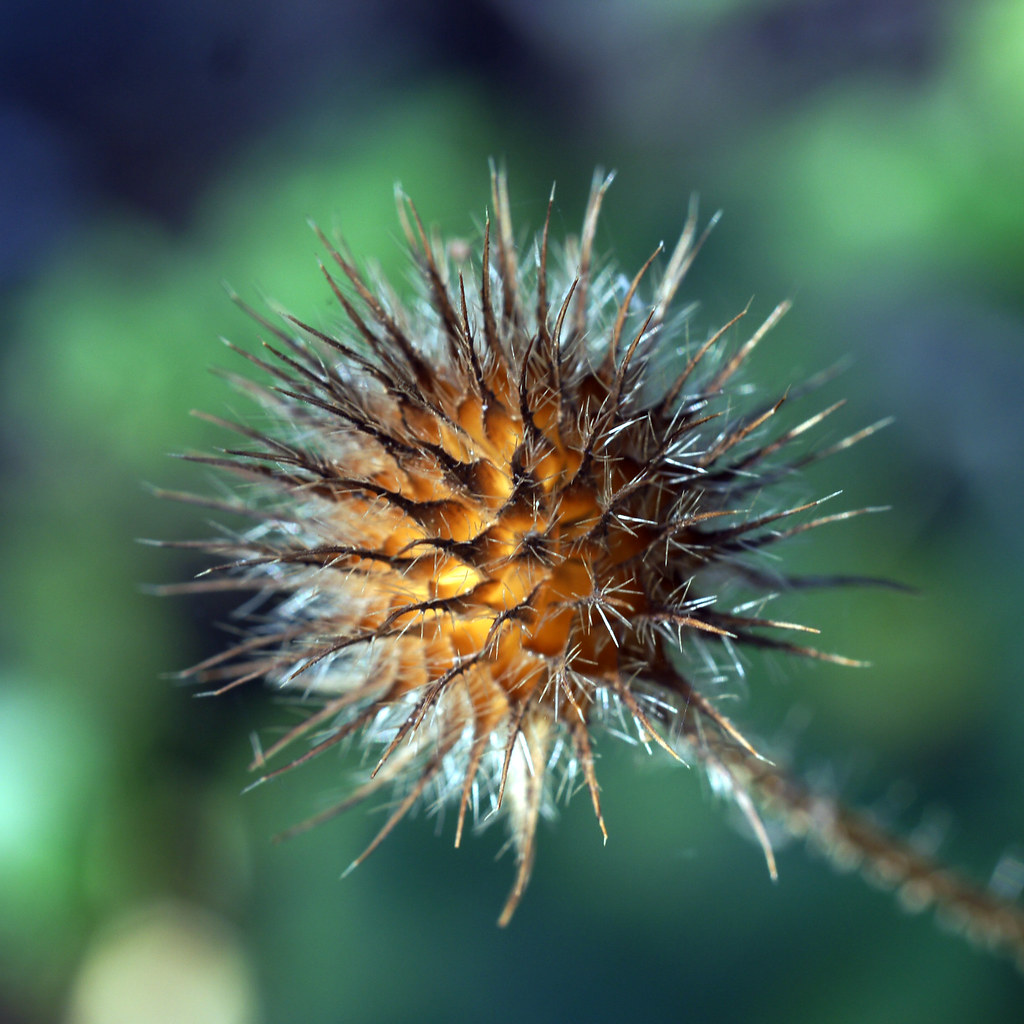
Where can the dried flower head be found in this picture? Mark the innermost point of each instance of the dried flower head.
(518, 510)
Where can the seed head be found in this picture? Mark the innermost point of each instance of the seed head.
(494, 521)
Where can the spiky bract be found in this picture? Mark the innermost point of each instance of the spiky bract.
(501, 516)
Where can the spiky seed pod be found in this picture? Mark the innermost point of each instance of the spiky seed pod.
(521, 508)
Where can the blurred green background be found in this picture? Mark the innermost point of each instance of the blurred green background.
(868, 157)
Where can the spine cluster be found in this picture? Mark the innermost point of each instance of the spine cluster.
(491, 521)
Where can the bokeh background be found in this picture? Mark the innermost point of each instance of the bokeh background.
(869, 157)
